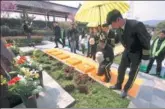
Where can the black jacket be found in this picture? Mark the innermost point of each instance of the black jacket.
(107, 52)
(135, 37)
(57, 31)
(73, 34)
(27, 28)
(112, 38)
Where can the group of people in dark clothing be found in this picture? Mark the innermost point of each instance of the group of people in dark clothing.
(134, 37)
(72, 36)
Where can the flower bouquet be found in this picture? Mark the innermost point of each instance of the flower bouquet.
(4, 92)
(15, 49)
(27, 88)
(34, 68)
(8, 45)
(3, 85)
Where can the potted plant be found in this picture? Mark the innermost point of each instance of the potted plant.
(38, 68)
(34, 68)
(15, 49)
(23, 62)
(3, 98)
(27, 88)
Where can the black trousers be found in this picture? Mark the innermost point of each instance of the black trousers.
(131, 60)
(77, 44)
(159, 60)
(83, 48)
(57, 40)
(63, 41)
(93, 50)
(104, 69)
(88, 52)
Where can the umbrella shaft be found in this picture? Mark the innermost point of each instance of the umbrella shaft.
(100, 14)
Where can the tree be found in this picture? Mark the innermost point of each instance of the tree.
(160, 26)
(7, 6)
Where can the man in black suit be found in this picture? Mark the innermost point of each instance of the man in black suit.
(136, 41)
(57, 33)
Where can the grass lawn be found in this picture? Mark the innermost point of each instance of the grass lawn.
(98, 96)
(117, 59)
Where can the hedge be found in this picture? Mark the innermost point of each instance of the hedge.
(37, 24)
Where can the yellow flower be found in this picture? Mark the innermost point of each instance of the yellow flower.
(36, 75)
(1, 77)
(3, 80)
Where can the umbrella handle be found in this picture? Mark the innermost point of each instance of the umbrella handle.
(100, 18)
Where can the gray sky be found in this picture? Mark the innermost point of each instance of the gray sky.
(143, 10)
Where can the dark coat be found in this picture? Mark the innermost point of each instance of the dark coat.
(73, 35)
(135, 37)
(107, 52)
(57, 32)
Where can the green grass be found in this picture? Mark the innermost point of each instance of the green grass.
(117, 59)
(98, 97)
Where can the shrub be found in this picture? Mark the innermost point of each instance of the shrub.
(80, 79)
(16, 32)
(23, 42)
(83, 89)
(38, 53)
(69, 87)
(42, 32)
(68, 73)
(5, 30)
(46, 67)
(57, 74)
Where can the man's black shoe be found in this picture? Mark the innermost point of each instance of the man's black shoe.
(107, 80)
(115, 87)
(146, 72)
(124, 94)
(56, 47)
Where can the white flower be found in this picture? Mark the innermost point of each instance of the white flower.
(22, 79)
(20, 76)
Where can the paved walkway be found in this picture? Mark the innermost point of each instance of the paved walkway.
(151, 94)
(53, 95)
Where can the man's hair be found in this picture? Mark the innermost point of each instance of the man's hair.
(112, 16)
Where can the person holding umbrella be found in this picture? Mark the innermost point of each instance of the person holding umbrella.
(136, 41)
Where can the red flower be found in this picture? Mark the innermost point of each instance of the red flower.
(8, 45)
(23, 57)
(21, 60)
(13, 81)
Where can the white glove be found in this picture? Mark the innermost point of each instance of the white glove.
(99, 57)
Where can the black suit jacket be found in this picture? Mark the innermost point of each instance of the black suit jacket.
(57, 31)
(135, 37)
(107, 52)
